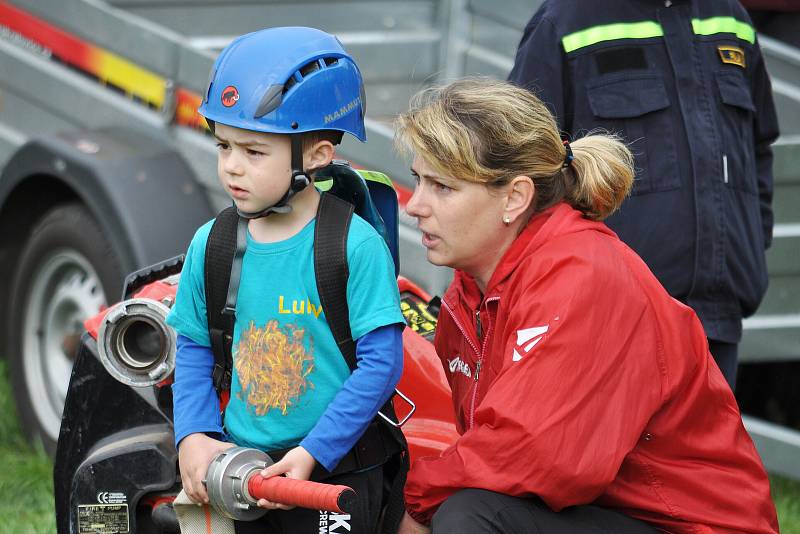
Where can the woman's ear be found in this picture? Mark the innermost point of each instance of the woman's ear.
(319, 155)
(519, 197)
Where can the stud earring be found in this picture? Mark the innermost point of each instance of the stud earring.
(506, 220)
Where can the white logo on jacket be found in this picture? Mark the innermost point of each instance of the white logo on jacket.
(457, 365)
(527, 338)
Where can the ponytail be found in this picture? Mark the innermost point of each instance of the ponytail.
(602, 168)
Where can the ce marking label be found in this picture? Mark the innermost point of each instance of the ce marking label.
(111, 497)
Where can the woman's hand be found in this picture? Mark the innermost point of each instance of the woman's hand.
(195, 453)
(297, 463)
(408, 525)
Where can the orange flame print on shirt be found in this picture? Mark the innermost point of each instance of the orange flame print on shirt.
(273, 366)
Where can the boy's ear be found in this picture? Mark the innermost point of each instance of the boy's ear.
(319, 155)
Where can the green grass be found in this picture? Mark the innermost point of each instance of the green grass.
(787, 500)
(26, 480)
(26, 475)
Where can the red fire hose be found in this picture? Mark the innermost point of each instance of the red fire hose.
(302, 493)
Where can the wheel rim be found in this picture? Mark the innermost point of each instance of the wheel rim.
(65, 291)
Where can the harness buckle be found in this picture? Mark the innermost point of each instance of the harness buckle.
(406, 417)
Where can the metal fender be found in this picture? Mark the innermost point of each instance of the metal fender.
(141, 191)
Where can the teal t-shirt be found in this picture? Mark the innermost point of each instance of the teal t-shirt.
(287, 367)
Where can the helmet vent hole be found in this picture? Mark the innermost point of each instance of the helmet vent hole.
(291, 82)
(308, 68)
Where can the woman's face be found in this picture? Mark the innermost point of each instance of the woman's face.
(461, 222)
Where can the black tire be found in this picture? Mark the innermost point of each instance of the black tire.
(67, 270)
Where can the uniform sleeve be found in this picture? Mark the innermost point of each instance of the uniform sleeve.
(540, 67)
(765, 131)
(188, 314)
(558, 422)
(379, 364)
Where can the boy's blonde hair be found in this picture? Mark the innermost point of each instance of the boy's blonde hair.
(488, 131)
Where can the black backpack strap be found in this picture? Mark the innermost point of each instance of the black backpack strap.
(331, 270)
(223, 265)
(330, 265)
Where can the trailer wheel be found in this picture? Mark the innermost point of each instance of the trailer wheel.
(66, 273)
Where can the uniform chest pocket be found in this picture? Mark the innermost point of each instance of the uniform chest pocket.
(736, 112)
(638, 110)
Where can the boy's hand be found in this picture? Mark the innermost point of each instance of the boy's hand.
(195, 453)
(297, 463)
(409, 526)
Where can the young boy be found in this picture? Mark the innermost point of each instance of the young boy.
(278, 101)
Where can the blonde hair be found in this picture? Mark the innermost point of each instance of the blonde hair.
(488, 131)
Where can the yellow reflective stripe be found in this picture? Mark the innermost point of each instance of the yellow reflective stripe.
(131, 78)
(714, 25)
(324, 185)
(611, 32)
(372, 176)
(375, 176)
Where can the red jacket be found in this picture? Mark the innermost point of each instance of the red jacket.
(577, 378)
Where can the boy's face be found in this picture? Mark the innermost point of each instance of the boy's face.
(254, 167)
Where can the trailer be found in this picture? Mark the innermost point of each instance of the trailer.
(107, 168)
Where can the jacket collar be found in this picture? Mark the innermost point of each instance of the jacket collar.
(550, 224)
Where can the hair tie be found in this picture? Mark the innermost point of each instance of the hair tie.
(568, 157)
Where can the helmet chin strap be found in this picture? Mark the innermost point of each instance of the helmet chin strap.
(299, 181)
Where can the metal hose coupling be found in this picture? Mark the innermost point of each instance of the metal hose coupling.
(135, 344)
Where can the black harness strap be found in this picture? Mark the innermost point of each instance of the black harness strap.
(330, 267)
(219, 263)
(331, 270)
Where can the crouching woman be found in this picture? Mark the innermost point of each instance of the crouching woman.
(585, 396)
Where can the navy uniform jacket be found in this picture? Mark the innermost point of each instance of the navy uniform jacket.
(684, 83)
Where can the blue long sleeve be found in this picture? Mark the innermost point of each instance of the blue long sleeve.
(379, 358)
(195, 402)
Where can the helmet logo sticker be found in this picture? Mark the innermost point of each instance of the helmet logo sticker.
(342, 111)
(230, 95)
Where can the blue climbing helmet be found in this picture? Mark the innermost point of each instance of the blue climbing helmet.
(286, 81)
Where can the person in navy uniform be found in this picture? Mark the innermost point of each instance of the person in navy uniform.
(684, 83)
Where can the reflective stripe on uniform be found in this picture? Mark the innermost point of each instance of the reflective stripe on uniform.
(611, 32)
(649, 29)
(714, 25)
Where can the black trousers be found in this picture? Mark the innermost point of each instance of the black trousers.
(486, 512)
(363, 519)
(726, 355)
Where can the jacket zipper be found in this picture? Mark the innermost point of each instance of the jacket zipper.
(460, 328)
(479, 362)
